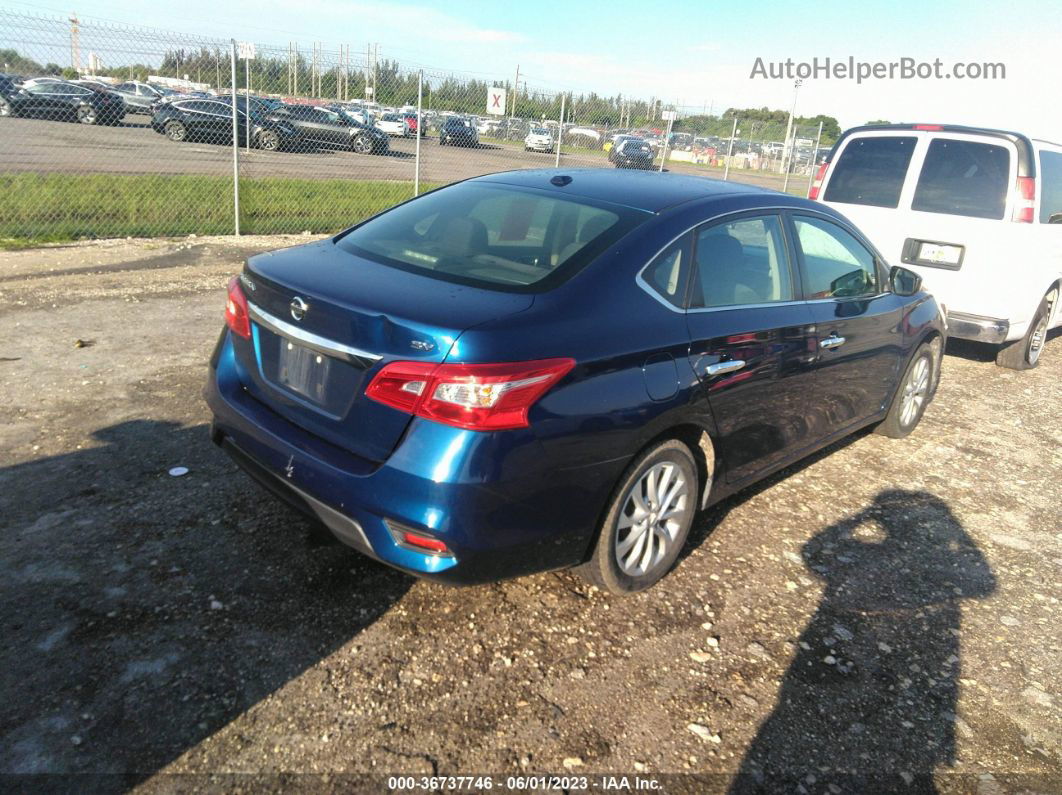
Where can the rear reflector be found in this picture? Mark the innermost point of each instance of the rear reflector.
(479, 397)
(236, 316)
(417, 540)
(813, 192)
(1024, 200)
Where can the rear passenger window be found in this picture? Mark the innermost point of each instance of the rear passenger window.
(836, 265)
(667, 274)
(871, 171)
(1050, 185)
(741, 262)
(963, 178)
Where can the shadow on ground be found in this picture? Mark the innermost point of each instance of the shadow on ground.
(143, 612)
(868, 703)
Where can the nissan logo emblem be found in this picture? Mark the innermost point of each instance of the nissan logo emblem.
(298, 308)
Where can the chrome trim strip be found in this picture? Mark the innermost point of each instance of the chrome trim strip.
(308, 338)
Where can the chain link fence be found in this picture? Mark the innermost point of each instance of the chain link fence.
(114, 131)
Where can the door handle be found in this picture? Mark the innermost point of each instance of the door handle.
(725, 367)
(833, 341)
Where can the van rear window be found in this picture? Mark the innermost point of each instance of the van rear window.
(871, 171)
(963, 178)
(1050, 185)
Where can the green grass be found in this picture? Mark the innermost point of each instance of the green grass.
(48, 208)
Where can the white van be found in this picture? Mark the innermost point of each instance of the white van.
(976, 212)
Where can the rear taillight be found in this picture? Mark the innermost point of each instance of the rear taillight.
(236, 317)
(813, 192)
(1024, 200)
(479, 397)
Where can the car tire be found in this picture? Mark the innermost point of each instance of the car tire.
(175, 130)
(5, 107)
(627, 559)
(268, 141)
(914, 392)
(86, 114)
(1024, 354)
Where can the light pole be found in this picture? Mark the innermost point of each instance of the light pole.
(788, 150)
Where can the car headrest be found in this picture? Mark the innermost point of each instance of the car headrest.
(720, 251)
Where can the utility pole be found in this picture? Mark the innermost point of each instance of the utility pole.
(516, 90)
(75, 44)
(787, 149)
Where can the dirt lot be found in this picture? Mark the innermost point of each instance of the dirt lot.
(40, 146)
(884, 617)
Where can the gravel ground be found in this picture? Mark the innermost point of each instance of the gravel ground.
(884, 616)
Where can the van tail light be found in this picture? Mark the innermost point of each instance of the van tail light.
(479, 397)
(929, 127)
(1025, 203)
(813, 192)
(236, 316)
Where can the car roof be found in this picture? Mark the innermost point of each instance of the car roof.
(644, 190)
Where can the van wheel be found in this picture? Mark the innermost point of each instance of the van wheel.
(647, 522)
(1024, 354)
(914, 393)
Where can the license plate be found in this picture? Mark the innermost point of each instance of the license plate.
(303, 370)
(940, 254)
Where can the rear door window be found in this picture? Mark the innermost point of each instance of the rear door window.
(741, 262)
(1050, 185)
(871, 171)
(963, 178)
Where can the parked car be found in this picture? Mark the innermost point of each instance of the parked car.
(139, 97)
(631, 152)
(392, 124)
(976, 212)
(457, 131)
(60, 100)
(9, 86)
(615, 352)
(210, 120)
(323, 126)
(539, 139)
(413, 126)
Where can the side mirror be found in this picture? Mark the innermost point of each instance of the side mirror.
(1056, 218)
(903, 281)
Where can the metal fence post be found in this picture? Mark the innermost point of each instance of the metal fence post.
(247, 98)
(560, 130)
(730, 151)
(235, 145)
(814, 158)
(667, 140)
(420, 131)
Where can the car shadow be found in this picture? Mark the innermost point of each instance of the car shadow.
(706, 523)
(144, 611)
(868, 703)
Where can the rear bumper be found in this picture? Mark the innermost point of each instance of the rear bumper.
(978, 328)
(502, 507)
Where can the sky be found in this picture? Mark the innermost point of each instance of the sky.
(694, 54)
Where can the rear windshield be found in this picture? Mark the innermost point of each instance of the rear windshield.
(963, 178)
(871, 171)
(493, 236)
(1050, 185)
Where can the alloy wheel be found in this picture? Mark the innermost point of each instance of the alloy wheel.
(86, 114)
(915, 391)
(651, 518)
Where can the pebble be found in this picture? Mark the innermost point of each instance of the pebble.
(829, 659)
(572, 762)
(704, 733)
(700, 656)
(639, 767)
(1009, 621)
(713, 642)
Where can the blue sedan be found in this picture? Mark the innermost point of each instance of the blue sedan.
(545, 369)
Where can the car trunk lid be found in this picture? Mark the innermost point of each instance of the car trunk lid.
(324, 320)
